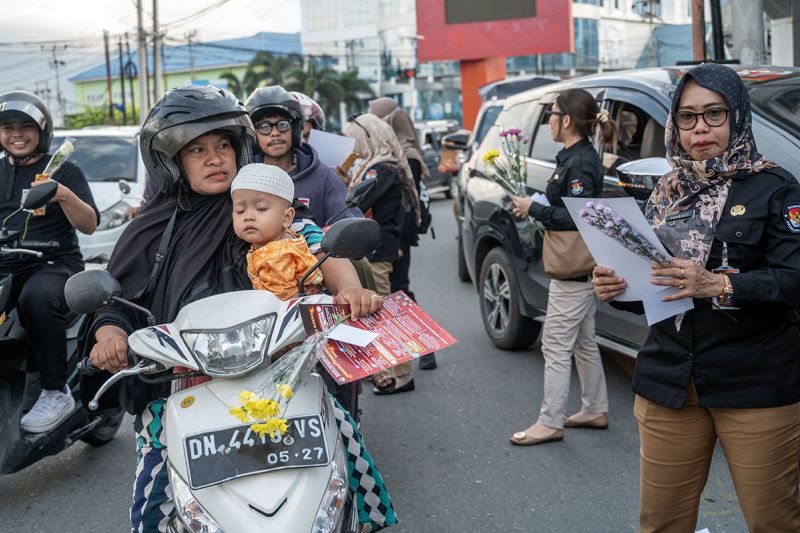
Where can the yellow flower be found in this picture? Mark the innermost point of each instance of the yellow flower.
(490, 156)
(246, 396)
(274, 426)
(285, 391)
(240, 413)
(262, 409)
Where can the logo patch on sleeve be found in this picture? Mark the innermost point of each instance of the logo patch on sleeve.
(576, 187)
(371, 173)
(791, 216)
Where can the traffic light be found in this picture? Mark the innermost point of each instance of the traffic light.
(409, 73)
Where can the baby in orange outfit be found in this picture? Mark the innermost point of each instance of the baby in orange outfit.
(262, 215)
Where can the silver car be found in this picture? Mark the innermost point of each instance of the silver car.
(109, 157)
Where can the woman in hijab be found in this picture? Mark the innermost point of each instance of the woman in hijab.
(729, 369)
(182, 248)
(400, 121)
(377, 154)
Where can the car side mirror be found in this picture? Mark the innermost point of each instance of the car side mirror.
(91, 290)
(359, 192)
(39, 196)
(640, 176)
(351, 238)
(456, 141)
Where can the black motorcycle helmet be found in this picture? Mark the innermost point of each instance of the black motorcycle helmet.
(184, 114)
(276, 98)
(23, 106)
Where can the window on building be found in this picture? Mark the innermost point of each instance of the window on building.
(592, 2)
(587, 43)
(320, 16)
(397, 7)
(362, 12)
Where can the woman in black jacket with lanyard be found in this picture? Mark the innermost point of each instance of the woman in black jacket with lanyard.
(730, 368)
(569, 325)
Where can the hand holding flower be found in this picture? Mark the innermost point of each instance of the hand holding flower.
(521, 206)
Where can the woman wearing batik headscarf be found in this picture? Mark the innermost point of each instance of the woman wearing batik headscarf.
(729, 369)
(377, 154)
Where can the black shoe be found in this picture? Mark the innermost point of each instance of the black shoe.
(428, 362)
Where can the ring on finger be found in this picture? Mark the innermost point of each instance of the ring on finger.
(683, 273)
(680, 285)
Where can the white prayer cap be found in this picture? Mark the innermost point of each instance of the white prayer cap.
(264, 178)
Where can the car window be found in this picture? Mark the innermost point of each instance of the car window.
(488, 119)
(544, 147)
(490, 142)
(638, 136)
(104, 158)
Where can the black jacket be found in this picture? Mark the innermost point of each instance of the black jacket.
(386, 206)
(578, 173)
(750, 357)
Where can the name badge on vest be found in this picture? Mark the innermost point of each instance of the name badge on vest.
(683, 215)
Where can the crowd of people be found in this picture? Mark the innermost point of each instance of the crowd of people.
(237, 199)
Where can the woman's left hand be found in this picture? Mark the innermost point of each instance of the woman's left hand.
(521, 206)
(693, 280)
(362, 302)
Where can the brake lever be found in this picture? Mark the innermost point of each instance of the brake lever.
(6, 250)
(142, 367)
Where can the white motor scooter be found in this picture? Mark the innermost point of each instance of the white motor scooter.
(223, 476)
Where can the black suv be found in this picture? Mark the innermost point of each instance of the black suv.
(494, 248)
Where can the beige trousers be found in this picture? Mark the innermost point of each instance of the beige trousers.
(762, 447)
(381, 270)
(568, 331)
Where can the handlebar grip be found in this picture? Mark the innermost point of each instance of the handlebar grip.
(40, 245)
(87, 368)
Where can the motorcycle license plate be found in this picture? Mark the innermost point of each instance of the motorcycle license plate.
(217, 456)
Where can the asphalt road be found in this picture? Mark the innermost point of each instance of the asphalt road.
(443, 449)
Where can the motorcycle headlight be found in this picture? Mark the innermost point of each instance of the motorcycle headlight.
(331, 511)
(232, 351)
(114, 216)
(190, 516)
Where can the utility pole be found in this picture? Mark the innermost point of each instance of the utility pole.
(189, 38)
(144, 99)
(748, 31)
(108, 81)
(716, 28)
(122, 84)
(55, 64)
(698, 30)
(156, 55)
(130, 69)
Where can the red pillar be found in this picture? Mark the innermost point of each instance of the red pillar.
(475, 73)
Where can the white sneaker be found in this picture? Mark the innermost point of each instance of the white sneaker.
(51, 409)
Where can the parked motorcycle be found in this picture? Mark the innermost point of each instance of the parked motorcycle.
(19, 383)
(223, 476)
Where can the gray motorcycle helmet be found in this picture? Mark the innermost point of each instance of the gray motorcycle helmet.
(276, 98)
(23, 106)
(186, 113)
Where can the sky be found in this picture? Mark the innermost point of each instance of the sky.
(75, 28)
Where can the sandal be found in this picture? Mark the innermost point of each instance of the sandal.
(522, 438)
(388, 385)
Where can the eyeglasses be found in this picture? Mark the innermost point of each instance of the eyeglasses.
(714, 117)
(265, 128)
(352, 118)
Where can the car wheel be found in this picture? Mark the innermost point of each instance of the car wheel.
(463, 273)
(507, 327)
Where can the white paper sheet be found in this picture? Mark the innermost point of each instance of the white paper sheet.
(351, 335)
(332, 149)
(634, 268)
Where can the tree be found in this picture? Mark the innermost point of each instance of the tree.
(321, 84)
(354, 87)
(264, 69)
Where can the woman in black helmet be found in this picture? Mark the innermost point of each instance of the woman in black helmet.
(182, 248)
(26, 130)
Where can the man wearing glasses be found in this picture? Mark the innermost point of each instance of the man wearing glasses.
(278, 119)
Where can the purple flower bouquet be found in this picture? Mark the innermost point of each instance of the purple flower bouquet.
(613, 225)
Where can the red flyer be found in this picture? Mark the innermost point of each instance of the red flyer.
(405, 332)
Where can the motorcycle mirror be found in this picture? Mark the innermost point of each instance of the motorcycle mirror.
(91, 290)
(361, 191)
(124, 188)
(40, 195)
(351, 238)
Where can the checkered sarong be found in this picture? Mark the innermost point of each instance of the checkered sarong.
(375, 509)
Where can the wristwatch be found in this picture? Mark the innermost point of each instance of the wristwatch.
(725, 298)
